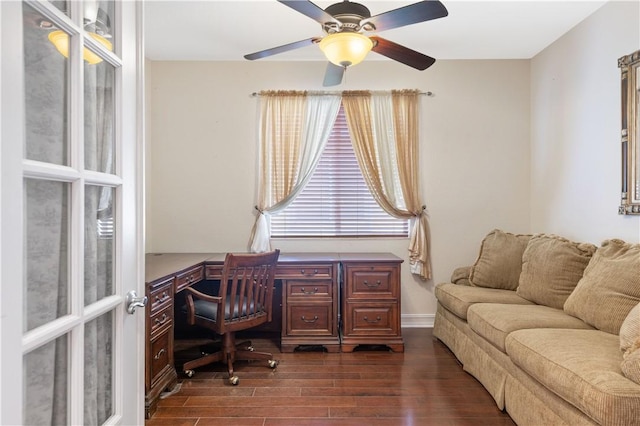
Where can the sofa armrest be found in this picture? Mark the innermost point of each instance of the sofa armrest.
(460, 275)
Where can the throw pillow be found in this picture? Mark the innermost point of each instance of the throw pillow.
(630, 365)
(500, 260)
(551, 269)
(610, 287)
(630, 330)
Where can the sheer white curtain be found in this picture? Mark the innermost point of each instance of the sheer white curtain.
(294, 129)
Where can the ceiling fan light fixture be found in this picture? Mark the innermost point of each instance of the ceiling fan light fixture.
(60, 40)
(346, 48)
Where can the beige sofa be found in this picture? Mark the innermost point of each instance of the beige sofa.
(550, 327)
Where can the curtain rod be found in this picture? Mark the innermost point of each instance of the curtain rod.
(429, 94)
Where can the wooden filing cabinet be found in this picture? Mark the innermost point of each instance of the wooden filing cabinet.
(160, 372)
(371, 301)
(309, 303)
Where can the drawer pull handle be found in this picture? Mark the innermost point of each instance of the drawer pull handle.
(161, 320)
(314, 291)
(164, 296)
(372, 321)
(310, 274)
(315, 318)
(377, 284)
(159, 354)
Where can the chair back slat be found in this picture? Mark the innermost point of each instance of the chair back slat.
(247, 287)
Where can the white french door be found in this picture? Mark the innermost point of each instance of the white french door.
(71, 212)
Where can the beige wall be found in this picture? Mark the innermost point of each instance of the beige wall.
(575, 122)
(201, 163)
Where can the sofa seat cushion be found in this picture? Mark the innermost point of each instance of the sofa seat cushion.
(458, 298)
(580, 366)
(495, 321)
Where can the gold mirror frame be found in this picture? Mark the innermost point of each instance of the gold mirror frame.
(630, 90)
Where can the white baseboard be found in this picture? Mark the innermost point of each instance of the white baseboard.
(417, 320)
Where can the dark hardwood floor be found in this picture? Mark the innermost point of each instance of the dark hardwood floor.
(425, 385)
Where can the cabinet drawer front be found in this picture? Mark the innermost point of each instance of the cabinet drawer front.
(372, 319)
(310, 271)
(213, 272)
(310, 320)
(377, 283)
(160, 320)
(161, 296)
(161, 355)
(307, 289)
(189, 277)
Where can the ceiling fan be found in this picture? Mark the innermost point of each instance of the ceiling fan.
(345, 43)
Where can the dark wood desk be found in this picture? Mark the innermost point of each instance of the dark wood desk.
(310, 285)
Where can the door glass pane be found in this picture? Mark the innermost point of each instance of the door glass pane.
(98, 366)
(46, 251)
(98, 16)
(46, 93)
(99, 117)
(98, 243)
(61, 5)
(45, 384)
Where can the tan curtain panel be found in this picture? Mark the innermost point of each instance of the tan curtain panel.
(384, 133)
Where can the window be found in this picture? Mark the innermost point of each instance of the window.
(336, 201)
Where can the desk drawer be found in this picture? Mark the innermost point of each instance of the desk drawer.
(189, 277)
(371, 319)
(309, 289)
(161, 296)
(378, 282)
(161, 355)
(310, 271)
(310, 320)
(213, 272)
(160, 320)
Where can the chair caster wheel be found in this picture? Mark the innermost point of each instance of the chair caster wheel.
(234, 380)
(189, 373)
(273, 363)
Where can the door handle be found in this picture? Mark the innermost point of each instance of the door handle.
(133, 301)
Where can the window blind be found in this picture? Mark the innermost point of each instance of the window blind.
(336, 201)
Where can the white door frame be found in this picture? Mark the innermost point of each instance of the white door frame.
(11, 248)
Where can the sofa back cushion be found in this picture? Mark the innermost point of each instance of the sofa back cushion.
(551, 269)
(500, 260)
(610, 287)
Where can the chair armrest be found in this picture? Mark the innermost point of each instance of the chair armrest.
(199, 295)
(192, 294)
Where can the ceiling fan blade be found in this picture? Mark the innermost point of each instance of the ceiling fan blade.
(402, 54)
(333, 75)
(407, 15)
(311, 10)
(282, 49)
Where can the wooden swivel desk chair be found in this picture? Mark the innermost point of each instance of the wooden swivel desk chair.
(244, 300)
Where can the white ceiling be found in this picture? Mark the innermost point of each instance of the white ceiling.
(475, 29)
